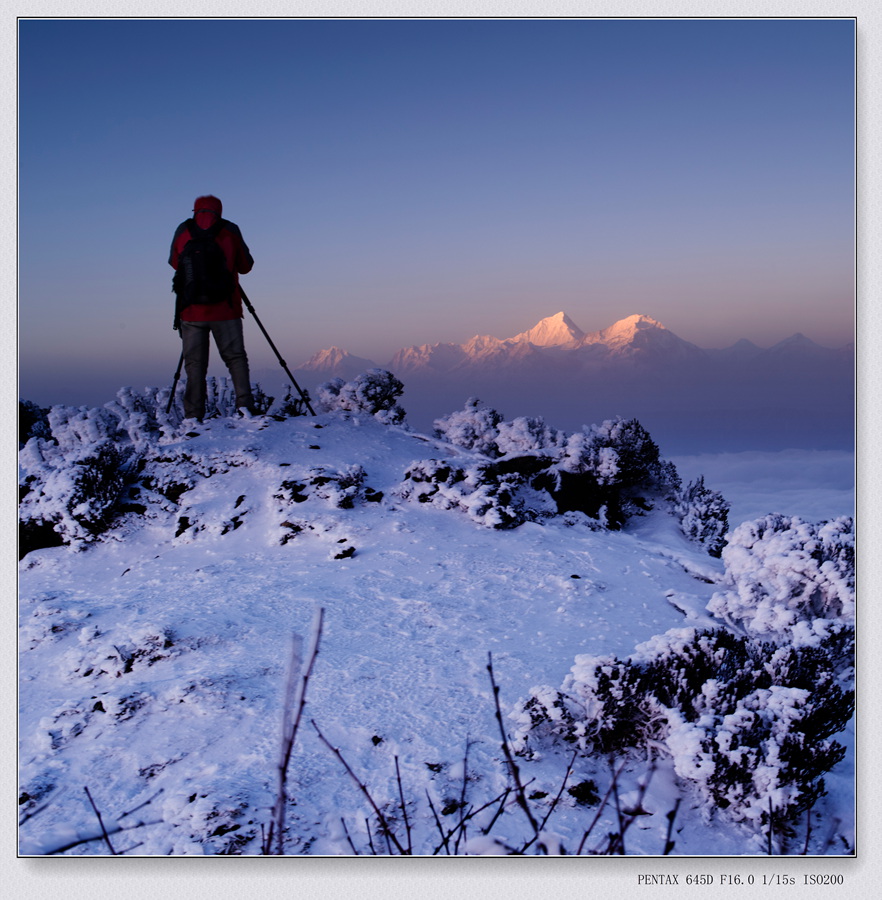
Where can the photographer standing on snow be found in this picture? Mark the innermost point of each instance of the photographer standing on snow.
(208, 254)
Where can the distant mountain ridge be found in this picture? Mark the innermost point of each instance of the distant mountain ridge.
(794, 394)
(636, 337)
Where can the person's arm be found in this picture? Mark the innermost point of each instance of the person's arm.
(244, 262)
(175, 252)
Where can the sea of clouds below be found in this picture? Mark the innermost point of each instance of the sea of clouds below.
(813, 484)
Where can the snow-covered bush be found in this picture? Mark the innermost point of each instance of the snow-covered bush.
(473, 428)
(608, 472)
(703, 515)
(528, 434)
(82, 467)
(611, 472)
(748, 724)
(638, 462)
(482, 428)
(489, 496)
(584, 479)
(287, 406)
(789, 579)
(140, 416)
(374, 392)
(71, 482)
(75, 470)
(341, 488)
(583, 454)
(33, 421)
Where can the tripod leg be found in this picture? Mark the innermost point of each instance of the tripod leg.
(303, 396)
(171, 396)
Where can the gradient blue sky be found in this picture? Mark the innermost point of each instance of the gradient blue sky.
(406, 182)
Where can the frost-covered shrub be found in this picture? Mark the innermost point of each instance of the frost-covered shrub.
(373, 392)
(612, 472)
(748, 724)
(482, 428)
(638, 461)
(342, 488)
(101, 463)
(33, 421)
(584, 479)
(139, 415)
(703, 515)
(76, 428)
(76, 497)
(584, 453)
(287, 406)
(490, 497)
(72, 482)
(473, 428)
(608, 473)
(789, 579)
(528, 434)
(328, 394)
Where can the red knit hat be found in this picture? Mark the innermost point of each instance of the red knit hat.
(208, 202)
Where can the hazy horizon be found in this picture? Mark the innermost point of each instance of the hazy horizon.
(95, 389)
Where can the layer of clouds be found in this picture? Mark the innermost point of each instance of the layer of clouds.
(813, 484)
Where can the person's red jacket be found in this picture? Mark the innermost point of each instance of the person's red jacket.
(239, 262)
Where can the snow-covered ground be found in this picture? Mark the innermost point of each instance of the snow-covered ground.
(153, 662)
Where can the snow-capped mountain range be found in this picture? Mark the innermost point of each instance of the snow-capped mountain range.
(793, 394)
(636, 338)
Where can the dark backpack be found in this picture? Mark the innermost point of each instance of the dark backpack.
(202, 275)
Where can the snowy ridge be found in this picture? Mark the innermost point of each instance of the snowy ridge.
(335, 361)
(154, 652)
(632, 336)
(640, 334)
(552, 332)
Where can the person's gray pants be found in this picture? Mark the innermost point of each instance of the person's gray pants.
(230, 343)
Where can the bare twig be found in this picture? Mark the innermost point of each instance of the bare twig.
(502, 798)
(808, 827)
(86, 837)
(403, 807)
(631, 817)
(129, 849)
(81, 838)
(463, 818)
(100, 823)
(617, 841)
(295, 700)
(445, 839)
(348, 838)
(553, 802)
(384, 823)
(669, 843)
(461, 823)
(600, 808)
(520, 793)
(141, 805)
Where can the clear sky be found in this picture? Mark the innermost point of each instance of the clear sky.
(406, 182)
